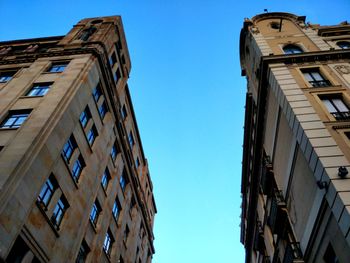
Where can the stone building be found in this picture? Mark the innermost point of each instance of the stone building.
(74, 180)
(295, 181)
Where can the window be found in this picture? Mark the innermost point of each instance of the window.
(83, 252)
(124, 112)
(78, 166)
(116, 209)
(123, 181)
(292, 49)
(137, 162)
(47, 191)
(6, 76)
(95, 212)
(97, 93)
(102, 110)
(39, 89)
(126, 234)
(69, 148)
(58, 67)
(112, 60)
(114, 151)
(15, 119)
(343, 44)
(275, 25)
(106, 177)
(107, 244)
(117, 75)
(336, 106)
(315, 78)
(58, 212)
(330, 256)
(20, 252)
(91, 135)
(85, 116)
(131, 139)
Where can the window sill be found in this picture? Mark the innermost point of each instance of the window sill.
(43, 211)
(8, 129)
(29, 97)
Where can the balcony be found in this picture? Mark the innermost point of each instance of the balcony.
(293, 253)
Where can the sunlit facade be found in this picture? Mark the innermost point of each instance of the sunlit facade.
(295, 181)
(74, 180)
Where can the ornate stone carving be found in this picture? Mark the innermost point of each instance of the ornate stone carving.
(342, 69)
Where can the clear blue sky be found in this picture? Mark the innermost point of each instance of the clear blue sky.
(189, 101)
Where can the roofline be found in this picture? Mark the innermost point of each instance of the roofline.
(31, 40)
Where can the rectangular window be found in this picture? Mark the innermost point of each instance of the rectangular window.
(123, 181)
(83, 252)
(59, 211)
(91, 135)
(337, 107)
(114, 151)
(97, 92)
(108, 243)
(85, 116)
(126, 234)
(117, 75)
(69, 148)
(47, 191)
(112, 60)
(131, 139)
(137, 162)
(77, 168)
(106, 177)
(124, 112)
(102, 110)
(315, 78)
(6, 76)
(95, 212)
(58, 67)
(15, 119)
(39, 89)
(116, 209)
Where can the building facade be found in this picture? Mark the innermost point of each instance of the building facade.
(74, 180)
(296, 153)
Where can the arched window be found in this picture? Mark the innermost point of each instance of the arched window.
(292, 49)
(344, 44)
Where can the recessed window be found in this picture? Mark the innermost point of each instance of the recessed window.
(6, 76)
(102, 110)
(77, 168)
(59, 211)
(124, 112)
(137, 162)
(336, 106)
(292, 49)
(20, 251)
(114, 151)
(108, 242)
(275, 25)
(85, 116)
(330, 256)
(58, 67)
(131, 139)
(91, 135)
(47, 191)
(123, 181)
(39, 89)
(95, 212)
(112, 60)
(116, 209)
(315, 78)
(15, 119)
(97, 92)
(83, 252)
(106, 177)
(69, 148)
(117, 75)
(126, 234)
(344, 44)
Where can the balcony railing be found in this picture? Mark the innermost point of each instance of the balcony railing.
(345, 115)
(320, 83)
(293, 253)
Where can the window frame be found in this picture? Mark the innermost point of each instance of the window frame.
(292, 49)
(23, 115)
(106, 177)
(342, 46)
(311, 73)
(59, 65)
(77, 168)
(97, 92)
(102, 110)
(39, 89)
(91, 135)
(7, 75)
(71, 145)
(108, 243)
(95, 213)
(59, 212)
(85, 116)
(338, 115)
(47, 191)
(116, 209)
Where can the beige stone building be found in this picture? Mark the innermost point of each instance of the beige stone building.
(74, 180)
(295, 181)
